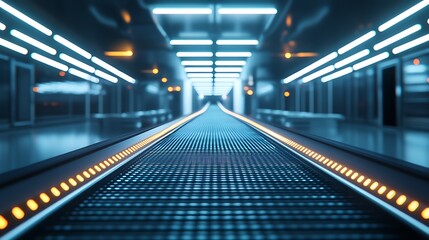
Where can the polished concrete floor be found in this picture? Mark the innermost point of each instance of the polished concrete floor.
(19, 148)
(404, 144)
(22, 147)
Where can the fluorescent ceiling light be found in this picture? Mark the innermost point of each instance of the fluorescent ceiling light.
(181, 11)
(33, 42)
(411, 44)
(228, 69)
(13, 46)
(191, 42)
(230, 63)
(225, 80)
(201, 79)
(199, 69)
(357, 42)
(83, 75)
(200, 75)
(77, 63)
(25, 18)
(352, 58)
(233, 54)
(403, 15)
(194, 54)
(2, 27)
(397, 37)
(106, 76)
(338, 74)
(72, 46)
(227, 75)
(371, 61)
(112, 69)
(49, 62)
(197, 63)
(238, 42)
(310, 67)
(268, 11)
(319, 73)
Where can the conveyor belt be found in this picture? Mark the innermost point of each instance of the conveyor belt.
(217, 178)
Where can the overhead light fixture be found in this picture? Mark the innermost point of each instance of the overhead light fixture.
(200, 75)
(311, 67)
(72, 46)
(13, 46)
(77, 63)
(264, 11)
(194, 54)
(230, 63)
(403, 15)
(319, 73)
(371, 61)
(112, 69)
(25, 18)
(197, 79)
(106, 76)
(181, 11)
(228, 69)
(338, 74)
(191, 42)
(397, 37)
(238, 42)
(33, 42)
(49, 62)
(233, 54)
(221, 80)
(352, 58)
(197, 63)
(227, 75)
(83, 75)
(199, 69)
(411, 44)
(357, 42)
(119, 53)
(2, 27)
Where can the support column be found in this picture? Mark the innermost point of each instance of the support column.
(187, 97)
(238, 97)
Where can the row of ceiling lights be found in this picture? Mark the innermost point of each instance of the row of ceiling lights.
(323, 73)
(209, 11)
(89, 70)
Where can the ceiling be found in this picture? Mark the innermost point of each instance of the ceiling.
(305, 26)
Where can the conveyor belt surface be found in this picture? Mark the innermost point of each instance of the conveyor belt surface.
(217, 178)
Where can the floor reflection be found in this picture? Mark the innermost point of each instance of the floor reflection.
(19, 148)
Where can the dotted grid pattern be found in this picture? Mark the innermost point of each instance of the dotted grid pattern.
(216, 178)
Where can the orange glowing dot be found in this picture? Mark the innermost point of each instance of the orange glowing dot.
(164, 80)
(425, 213)
(289, 21)
(354, 176)
(44, 197)
(55, 191)
(416, 61)
(64, 186)
(374, 186)
(349, 173)
(360, 179)
(286, 94)
(32, 205)
(86, 174)
(170, 89)
(72, 182)
(155, 71)
(18, 213)
(97, 168)
(35, 89)
(391, 194)
(177, 89)
(401, 200)
(249, 92)
(62, 74)
(102, 166)
(126, 16)
(106, 163)
(3, 222)
(382, 189)
(413, 206)
(288, 55)
(246, 88)
(367, 182)
(80, 178)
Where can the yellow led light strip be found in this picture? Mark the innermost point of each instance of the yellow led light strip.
(388, 194)
(68, 185)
